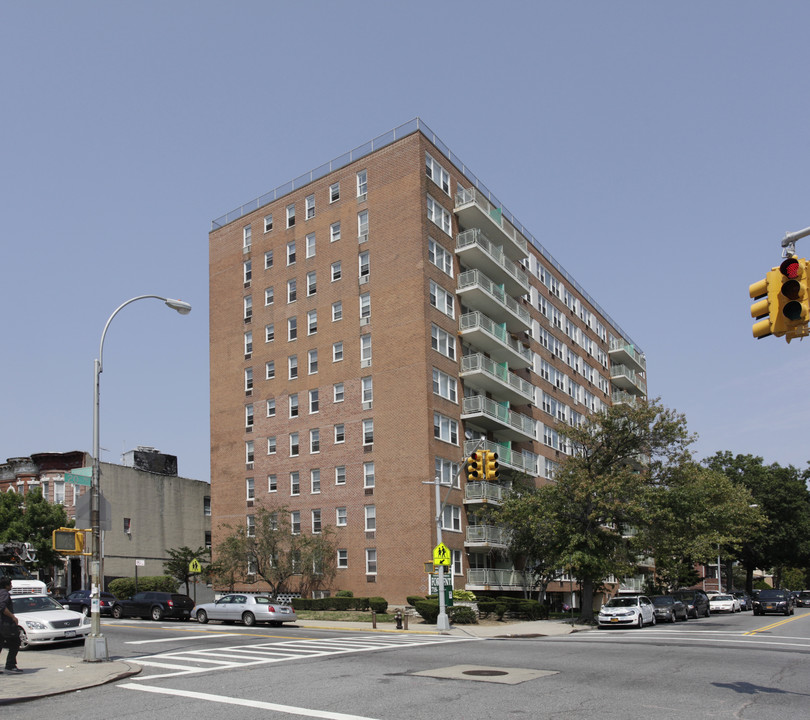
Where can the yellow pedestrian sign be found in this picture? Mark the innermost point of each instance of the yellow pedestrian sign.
(441, 555)
(194, 566)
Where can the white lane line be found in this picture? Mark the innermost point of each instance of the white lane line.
(289, 709)
(178, 639)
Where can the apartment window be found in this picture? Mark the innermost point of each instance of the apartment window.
(315, 480)
(295, 522)
(445, 386)
(246, 237)
(314, 403)
(272, 484)
(371, 518)
(268, 260)
(247, 307)
(362, 184)
(316, 522)
(249, 490)
(337, 311)
(341, 518)
(269, 333)
(312, 362)
(445, 428)
(310, 245)
(291, 252)
(312, 322)
(314, 441)
(365, 350)
(292, 367)
(294, 405)
(334, 192)
(342, 558)
(340, 475)
(292, 328)
(247, 272)
(438, 215)
(362, 225)
(334, 231)
(365, 305)
(292, 292)
(294, 444)
(338, 392)
(251, 525)
(442, 300)
(269, 296)
(270, 370)
(443, 342)
(337, 351)
(437, 173)
(340, 433)
(271, 407)
(290, 215)
(362, 259)
(368, 475)
(207, 506)
(456, 561)
(336, 272)
(367, 390)
(249, 456)
(248, 343)
(440, 257)
(451, 518)
(249, 416)
(268, 223)
(59, 492)
(309, 204)
(207, 541)
(312, 285)
(368, 432)
(272, 447)
(447, 471)
(371, 561)
(248, 379)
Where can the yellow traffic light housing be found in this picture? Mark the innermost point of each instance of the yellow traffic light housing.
(764, 292)
(475, 467)
(68, 541)
(783, 301)
(491, 466)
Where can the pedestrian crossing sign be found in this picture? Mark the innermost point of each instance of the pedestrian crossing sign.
(441, 555)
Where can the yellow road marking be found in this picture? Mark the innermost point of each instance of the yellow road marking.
(777, 624)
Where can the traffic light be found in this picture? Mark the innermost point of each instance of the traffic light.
(491, 466)
(68, 541)
(475, 467)
(783, 302)
(766, 307)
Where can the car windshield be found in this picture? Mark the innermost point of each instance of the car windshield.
(663, 600)
(804, 594)
(35, 603)
(772, 595)
(16, 572)
(622, 602)
(722, 597)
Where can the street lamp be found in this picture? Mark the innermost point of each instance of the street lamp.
(95, 645)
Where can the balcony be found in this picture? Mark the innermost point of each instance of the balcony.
(479, 330)
(506, 423)
(475, 211)
(626, 379)
(477, 250)
(483, 492)
(491, 579)
(620, 397)
(486, 536)
(477, 291)
(625, 354)
(496, 379)
(521, 461)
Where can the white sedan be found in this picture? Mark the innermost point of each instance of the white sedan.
(244, 608)
(43, 620)
(724, 603)
(633, 610)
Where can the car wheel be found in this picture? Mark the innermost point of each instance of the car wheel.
(653, 621)
(248, 618)
(671, 617)
(157, 613)
(118, 612)
(640, 623)
(24, 644)
(202, 616)
(708, 613)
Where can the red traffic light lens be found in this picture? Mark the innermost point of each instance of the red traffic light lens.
(790, 268)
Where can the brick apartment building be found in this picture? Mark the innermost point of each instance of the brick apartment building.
(371, 322)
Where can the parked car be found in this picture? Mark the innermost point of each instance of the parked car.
(155, 605)
(248, 609)
(669, 609)
(696, 601)
(773, 601)
(42, 620)
(80, 602)
(746, 601)
(804, 599)
(633, 610)
(724, 603)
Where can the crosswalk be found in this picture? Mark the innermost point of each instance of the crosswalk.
(200, 660)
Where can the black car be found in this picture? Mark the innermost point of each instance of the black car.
(773, 601)
(155, 605)
(79, 601)
(746, 601)
(803, 600)
(668, 608)
(696, 601)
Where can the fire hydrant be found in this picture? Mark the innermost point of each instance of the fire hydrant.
(398, 618)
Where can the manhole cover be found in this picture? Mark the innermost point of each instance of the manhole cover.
(484, 673)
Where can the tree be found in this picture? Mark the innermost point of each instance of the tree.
(32, 519)
(178, 565)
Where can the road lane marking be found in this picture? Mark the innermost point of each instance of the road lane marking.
(258, 704)
(777, 624)
(174, 639)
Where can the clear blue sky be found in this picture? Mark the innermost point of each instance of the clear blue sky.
(658, 150)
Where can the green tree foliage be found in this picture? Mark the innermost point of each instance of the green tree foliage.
(180, 559)
(32, 519)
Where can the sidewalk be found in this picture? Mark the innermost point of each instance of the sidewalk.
(46, 672)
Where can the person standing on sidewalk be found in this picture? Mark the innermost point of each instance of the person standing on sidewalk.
(9, 627)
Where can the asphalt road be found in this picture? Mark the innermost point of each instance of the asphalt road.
(736, 666)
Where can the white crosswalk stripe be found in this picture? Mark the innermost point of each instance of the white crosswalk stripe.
(200, 660)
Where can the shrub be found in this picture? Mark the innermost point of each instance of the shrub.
(500, 610)
(533, 610)
(428, 609)
(125, 587)
(345, 602)
(378, 604)
(485, 607)
(344, 594)
(413, 599)
(301, 603)
(464, 595)
(463, 615)
(360, 603)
